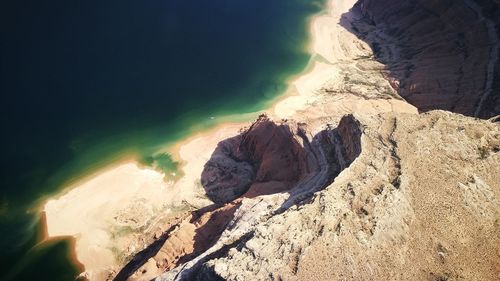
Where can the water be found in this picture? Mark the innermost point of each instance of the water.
(84, 83)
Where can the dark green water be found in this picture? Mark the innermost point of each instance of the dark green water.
(84, 82)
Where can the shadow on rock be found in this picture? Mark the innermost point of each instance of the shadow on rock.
(270, 158)
(266, 158)
(437, 54)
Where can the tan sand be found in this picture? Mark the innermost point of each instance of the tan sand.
(127, 197)
(338, 48)
(194, 153)
(89, 210)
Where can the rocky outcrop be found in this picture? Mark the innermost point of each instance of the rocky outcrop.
(423, 192)
(266, 152)
(281, 160)
(438, 54)
(269, 158)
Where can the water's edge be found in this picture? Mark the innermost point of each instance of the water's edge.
(192, 128)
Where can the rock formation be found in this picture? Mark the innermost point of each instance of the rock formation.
(419, 203)
(439, 54)
(266, 152)
(269, 158)
(282, 159)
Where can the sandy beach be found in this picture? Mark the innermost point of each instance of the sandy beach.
(127, 198)
(107, 211)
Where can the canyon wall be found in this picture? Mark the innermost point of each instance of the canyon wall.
(438, 54)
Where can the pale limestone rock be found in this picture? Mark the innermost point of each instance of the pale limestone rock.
(396, 213)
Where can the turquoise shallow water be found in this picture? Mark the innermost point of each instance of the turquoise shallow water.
(85, 82)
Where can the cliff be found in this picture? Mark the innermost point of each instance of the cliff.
(439, 54)
(420, 202)
(266, 159)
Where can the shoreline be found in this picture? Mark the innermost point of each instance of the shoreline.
(175, 149)
(268, 106)
(44, 238)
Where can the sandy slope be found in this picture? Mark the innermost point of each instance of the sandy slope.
(108, 212)
(339, 56)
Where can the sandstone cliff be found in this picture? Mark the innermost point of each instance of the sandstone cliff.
(420, 202)
(266, 159)
(439, 54)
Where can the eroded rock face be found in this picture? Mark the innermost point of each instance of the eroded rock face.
(275, 151)
(440, 54)
(266, 152)
(423, 192)
(349, 131)
(269, 158)
(282, 159)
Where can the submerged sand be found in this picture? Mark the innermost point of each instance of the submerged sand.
(107, 213)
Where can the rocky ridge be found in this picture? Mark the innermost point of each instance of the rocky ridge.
(423, 192)
(306, 164)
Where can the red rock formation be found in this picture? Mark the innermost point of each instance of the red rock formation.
(443, 53)
(279, 158)
(274, 150)
(264, 159)
(269, 158)
(194, 235)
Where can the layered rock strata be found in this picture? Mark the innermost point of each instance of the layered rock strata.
(438, 54)
(421, 202)
(286, 162)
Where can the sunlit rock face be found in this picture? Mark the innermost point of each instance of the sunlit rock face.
(266, 152)
(440, 54)
(423, 191)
